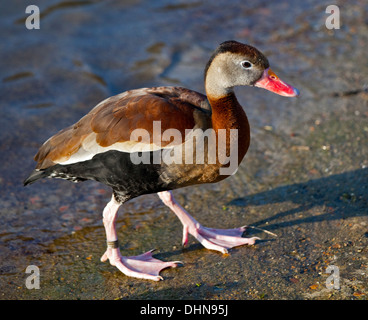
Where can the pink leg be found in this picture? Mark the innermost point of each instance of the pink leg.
(143, 266)
(214, 239)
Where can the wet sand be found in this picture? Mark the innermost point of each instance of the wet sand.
(305, 176)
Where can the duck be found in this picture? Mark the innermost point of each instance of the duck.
(155, 140)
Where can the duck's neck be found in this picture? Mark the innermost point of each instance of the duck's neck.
(228, 114)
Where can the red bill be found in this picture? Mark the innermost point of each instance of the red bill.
(272, 82)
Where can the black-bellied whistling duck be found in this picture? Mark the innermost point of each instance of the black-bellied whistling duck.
(161, 156)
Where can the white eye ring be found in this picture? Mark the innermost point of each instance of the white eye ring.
(246, 64)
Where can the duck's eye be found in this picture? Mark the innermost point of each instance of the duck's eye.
(246, 64)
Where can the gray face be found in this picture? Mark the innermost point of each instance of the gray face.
(240, 70)
(229, 69)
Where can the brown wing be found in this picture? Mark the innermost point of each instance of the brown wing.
(114, 119)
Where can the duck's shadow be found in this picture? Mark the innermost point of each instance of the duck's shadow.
(342, 196)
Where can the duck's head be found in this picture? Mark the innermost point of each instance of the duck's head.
(237, 64)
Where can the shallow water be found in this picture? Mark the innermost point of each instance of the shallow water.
(86, 51)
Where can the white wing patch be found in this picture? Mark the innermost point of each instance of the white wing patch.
(90, 148)
(195, 146)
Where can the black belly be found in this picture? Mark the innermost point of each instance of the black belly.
(116, 170)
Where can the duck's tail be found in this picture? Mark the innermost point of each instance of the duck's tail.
(34, 176)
